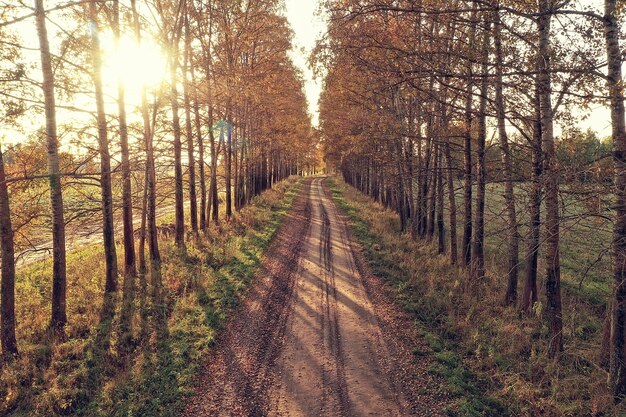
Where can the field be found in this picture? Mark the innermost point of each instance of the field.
(586, 235)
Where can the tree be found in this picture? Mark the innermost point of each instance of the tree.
(153, 243)
(178, 170)
(193, 202)
(130, 269)
(529, 296)
(7, 281)
(467, 188)
(477, 266)
(108, 230)
(553, 266)
(507, 169)
(59, 280)
(617, 369)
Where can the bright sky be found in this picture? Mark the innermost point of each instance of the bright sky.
(308, 26)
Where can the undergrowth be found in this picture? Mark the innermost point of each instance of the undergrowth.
(493, 360)
(85, 375)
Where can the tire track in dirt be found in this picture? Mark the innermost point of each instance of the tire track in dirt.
(337, 385)
(420, 393)
(335, 395)
(238, 371)
(351, 381)
(317, 334)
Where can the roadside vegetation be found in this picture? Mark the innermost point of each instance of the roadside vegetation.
(85, 374)
(136, 139)
(467, 119)
(492, 357)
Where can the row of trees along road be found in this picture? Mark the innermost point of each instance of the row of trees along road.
(426, 104)
(225, 120)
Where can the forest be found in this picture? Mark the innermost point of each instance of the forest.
(186, 231)
(462, 117)
(126, 124)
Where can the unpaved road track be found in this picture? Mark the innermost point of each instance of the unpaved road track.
(316, 334)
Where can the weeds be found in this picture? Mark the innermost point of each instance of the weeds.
(81, 377)
(493, 359)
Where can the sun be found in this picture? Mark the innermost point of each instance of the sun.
(136, 65)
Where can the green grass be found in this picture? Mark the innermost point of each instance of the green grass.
(447, 364)
(585, 240)
(85, 375)
(493, 360)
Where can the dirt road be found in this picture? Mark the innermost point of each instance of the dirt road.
(316, 335)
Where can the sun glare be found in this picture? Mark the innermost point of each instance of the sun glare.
(138, 66)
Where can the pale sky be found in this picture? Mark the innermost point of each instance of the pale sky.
(308, 27)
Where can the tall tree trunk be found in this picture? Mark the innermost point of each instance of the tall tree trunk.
(7, 281)
(529, 296)
(477, 268)
(153, 243)
(553, 266)
(507, 171)
(432, 199)
(127, 203)
(130, 270)
(228, 162)
(452, 204)
(617, 363)
(214, 204)
(243, 160)
(201, 173)
(440, 221)
(144, 222)
(193, 202)
(59, 279)
(178, 169)
(419, 206)
(466, 244)
(235, 162)
(426, 169)
(110, 253)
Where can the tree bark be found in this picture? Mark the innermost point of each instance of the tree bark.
(617, 362)
(130, 270)
(7, 281)
(178, 169)
(477, 268)
(214, 204)
(144, 223)
(108, 232)
(466, 245)
(440, 220)
(228, 166)
(153, 243)
(59, 279)
(507, 171)
(529, 296)
(201, 173)
(193, 202)
(553, 267)
(452, 204)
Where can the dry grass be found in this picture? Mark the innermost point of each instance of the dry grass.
(81, 376)
(503, 352)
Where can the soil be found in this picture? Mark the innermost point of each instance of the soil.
(317, 334)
